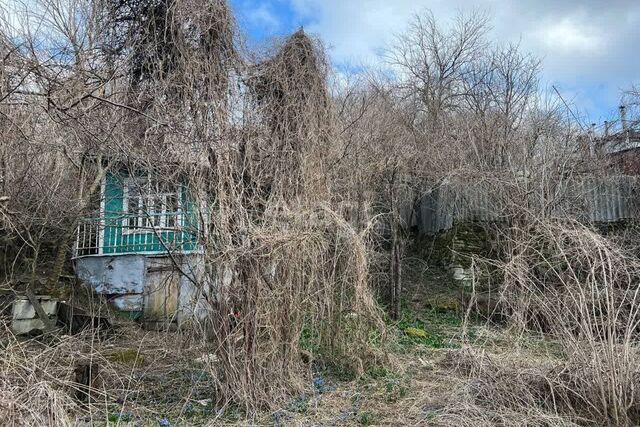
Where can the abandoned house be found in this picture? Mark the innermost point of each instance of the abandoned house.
(141, 250)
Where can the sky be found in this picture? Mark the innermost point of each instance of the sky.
(590, 49)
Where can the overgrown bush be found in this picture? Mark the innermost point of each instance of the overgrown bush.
(581, 289)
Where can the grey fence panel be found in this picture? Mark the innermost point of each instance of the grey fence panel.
(585, 198)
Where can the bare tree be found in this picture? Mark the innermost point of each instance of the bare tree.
(173, 93)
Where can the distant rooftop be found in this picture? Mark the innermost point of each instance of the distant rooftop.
(618, 135)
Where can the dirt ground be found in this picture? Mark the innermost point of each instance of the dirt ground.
(174, 388)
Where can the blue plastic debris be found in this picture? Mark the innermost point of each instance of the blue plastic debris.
(319, 383)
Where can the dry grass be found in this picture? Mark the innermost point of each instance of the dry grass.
(566, 282)
(515, 376)
(138, 375)
(38, 379)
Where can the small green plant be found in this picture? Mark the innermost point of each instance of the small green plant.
(377, 372)
(395, 388)
(365, 418)
(403, 392)
(116, 418)
(309, 338)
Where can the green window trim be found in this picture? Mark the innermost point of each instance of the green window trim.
(156, 227)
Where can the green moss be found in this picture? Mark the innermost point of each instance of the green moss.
(415, 332)
(470, 239)
(435, 249)
(128, 357)
(457, 245)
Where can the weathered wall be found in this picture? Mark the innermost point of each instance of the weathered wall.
(123, 277)
(192, 289)
(122, 274)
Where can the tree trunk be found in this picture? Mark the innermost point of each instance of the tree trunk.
(65, 243)
(395, 267)
(396, 271)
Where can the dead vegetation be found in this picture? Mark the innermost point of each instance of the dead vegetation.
(305, 194)
(252, 138)
(568, 282)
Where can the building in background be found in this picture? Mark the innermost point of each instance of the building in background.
(621, 147)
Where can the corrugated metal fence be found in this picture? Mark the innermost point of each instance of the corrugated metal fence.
(586, 198)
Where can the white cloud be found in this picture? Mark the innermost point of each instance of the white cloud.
(355, 30)
(264, 17)
(259, 15)
(580, 41)
(566, 35)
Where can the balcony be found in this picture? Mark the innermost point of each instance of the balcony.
(121, 234)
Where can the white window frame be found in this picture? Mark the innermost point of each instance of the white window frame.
(145, 221)
(102, 223)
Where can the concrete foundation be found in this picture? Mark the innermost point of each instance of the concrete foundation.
(159, 286)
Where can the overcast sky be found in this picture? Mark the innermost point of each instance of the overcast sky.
(590, 48)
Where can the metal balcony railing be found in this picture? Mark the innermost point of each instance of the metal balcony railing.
(118, 234)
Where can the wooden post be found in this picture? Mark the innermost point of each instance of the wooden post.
(395, 267)
(86, 380)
